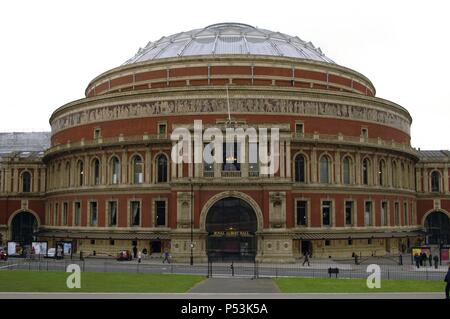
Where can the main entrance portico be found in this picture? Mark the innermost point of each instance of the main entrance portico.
(231, 224)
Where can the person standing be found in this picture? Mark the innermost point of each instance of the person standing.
(134, 251)
(430, 259)
(447, 286)
(416, 260)
(436, 261)
(139, 255)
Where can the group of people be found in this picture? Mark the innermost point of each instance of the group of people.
(422, 259)
(137, 254)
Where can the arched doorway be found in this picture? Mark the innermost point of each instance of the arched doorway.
(23, 227)
(437, 225)
(231, 224)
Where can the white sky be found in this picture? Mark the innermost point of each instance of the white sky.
(50, 50)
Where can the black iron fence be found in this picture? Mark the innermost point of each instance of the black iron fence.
(227, 269)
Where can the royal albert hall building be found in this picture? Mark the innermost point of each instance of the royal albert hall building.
(348, 180)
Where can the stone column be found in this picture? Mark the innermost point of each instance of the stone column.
(314, 165)
(87, 171)
(173, 165)
(148, 167)
(8, 180)
(43, 176)
(337, 167)
(124, 167)
(288, 159)
(358, 168)
(375, 170)
(418, 184)
(246, 163)
(104, 169)
(35, 180)
(446, 178)
(15, 180)
(282, 160)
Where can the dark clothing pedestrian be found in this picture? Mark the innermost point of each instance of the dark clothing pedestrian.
(306, 260)
(135, 252)
(166, 257)
(423, 260)
(436, 261)
(417, 260)
(430, 260)
(447, 286)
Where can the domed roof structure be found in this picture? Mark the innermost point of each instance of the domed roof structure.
(229, 38)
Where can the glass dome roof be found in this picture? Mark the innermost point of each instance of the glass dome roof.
(229, 38)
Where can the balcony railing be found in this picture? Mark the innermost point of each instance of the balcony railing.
(208, 173)
(353, 140)
(231, 173)
(109, 140)
(253, 173)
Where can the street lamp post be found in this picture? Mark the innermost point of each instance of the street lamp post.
(192, 224)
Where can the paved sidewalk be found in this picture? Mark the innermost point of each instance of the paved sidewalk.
(227, 296)
(235, 285)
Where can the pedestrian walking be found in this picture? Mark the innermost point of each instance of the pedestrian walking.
(166, 257)
(430, 259)
(134, 251)
(436, 261)
(447, 286)
(306, 260)
(139, 255)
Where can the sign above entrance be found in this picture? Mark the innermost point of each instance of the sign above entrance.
(231, 233)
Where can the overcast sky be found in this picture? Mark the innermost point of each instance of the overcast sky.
(50, 50)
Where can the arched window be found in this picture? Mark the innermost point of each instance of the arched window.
(381, 170)
(80, 167)
(435, 177)
(161, 162)
(115, 170)
(346, 170)
(96, 171)
(300, 168)
(26, 182)
(365, 171)
(324, 169)
(138, 170)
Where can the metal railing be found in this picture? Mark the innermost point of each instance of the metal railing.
(251, 269)
(392, 144)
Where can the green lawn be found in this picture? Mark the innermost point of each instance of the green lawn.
(333, 285)
(52, 281)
